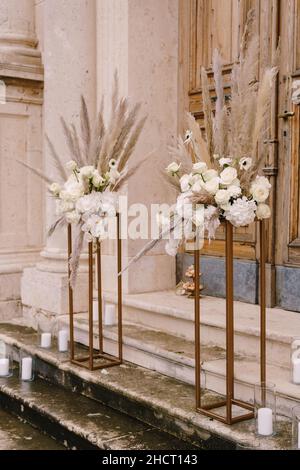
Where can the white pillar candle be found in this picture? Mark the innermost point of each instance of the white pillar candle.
(110, 314)
(4, 367)
(26, 368)
(46, 340)
(298, 435)
(265, 421)
(296, 370)
(63, 340)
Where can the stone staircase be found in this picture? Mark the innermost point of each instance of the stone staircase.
(158, 335)
(124, 407)
(155, 384)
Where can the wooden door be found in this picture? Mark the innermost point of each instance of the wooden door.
(209, 24)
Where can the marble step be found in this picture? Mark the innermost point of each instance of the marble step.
(158, 401)
(174, 356)
(18, 435)
(173, 314)
(78, 422)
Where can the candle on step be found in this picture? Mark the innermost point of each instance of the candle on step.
(110, 314)
(63, 340)
(46, 340)
(26, 368)
(296, 370)
(4, 367)
(265, 421)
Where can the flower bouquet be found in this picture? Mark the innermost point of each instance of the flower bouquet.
(217, 175)
(86, 193)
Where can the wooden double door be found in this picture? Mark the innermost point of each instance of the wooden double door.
(209, 24)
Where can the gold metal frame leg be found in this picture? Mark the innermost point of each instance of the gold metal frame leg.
(197, 329)
(229, 322)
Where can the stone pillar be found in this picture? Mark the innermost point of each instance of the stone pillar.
(69, 57)
(140, 39)
(21, 211)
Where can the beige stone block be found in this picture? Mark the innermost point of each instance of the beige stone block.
(49, 291)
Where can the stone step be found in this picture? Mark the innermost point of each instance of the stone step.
(80, 423)
(155, 399)
(18, 435)
(167, 312)
(174, 357)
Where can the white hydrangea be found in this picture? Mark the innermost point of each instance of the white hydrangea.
(241, 212)
(72, 217)
(90, 203)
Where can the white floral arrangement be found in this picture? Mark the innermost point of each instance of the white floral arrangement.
(86, 193)
(87, 198)
(217, 173)
(221, 191)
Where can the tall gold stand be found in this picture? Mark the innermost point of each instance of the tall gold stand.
(230, 401)
(96, 359)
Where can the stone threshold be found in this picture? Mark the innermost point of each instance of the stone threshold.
(155, 399)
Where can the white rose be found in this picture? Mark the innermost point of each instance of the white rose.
(196, 188)
(262, 181)
(228, 175)
(97, 180)
(114, 175)
(222, 196)
(73, 193)
(225, 161)
(212, 186)
(263, 211)
(185, 183)
(209, 175)
(259, 193)
(87, 171)
(72, 217)
(173, 168)
(55, 189)
(234, 190)
(245, 163)
(71, 165)
(199, 167)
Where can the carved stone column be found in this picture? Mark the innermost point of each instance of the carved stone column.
(140, 40)
(69, 40)
(21, 208)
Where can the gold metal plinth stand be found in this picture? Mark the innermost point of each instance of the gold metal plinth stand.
(96, 357)
(229, 400)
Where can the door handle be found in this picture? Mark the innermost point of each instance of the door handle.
(286, 115)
